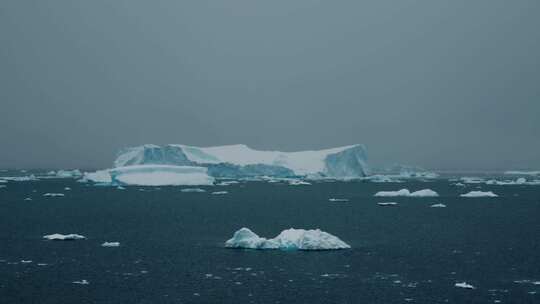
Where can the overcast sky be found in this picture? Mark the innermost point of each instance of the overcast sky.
(440, 84)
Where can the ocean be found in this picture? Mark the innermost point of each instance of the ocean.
(172, 244)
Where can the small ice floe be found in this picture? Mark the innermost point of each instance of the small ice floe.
(387, 204)
(439, 205)
(26, 261)
(335, 200)
(406, 192)
(219, 192)
(527, 282)
(227, 183)
(3, 181)
(20, 178)
(53, 194)
(120, 188)
(67, 188)
(298, 182)
(3, 186)
(290, 239)
(473, 180)
(459, 184)
(193, 190)
(42, 264)
(111, 244)
(64, 237)
(81, 282)
(479, 194)
(464, 285)
(28, 199)
(68, 173)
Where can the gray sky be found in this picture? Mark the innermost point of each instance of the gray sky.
(441, 84)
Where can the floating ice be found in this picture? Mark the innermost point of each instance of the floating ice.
(242, 161)
(387, 204)
(67, 188)
(53, 194)
(63, 237)
(479, 194)
(28, 199)
(111, 244)
(519, 181)
(438, 206)
(3, 186)
(297, 182)
(227, 183)
(198, 190)
(219, 192)
(161, 175)
(28, 178)
(406, 192)
(101, 176)
(81, 282)
(68, 173)
(522, 172)
(290, 239)
(464, 285)
(338, 200)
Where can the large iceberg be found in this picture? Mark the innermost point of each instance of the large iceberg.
(241, 161)
(290, 239)
(160, 175)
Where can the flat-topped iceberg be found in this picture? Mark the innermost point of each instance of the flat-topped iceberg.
(406, 192)
(160, 175)
(479, 194)
(241, 161)
(290, 239)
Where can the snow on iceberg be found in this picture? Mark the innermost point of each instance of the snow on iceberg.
(290, 239)
(479, 194)
(241, 161)
(63, 237)
(160, 175)
(100, 176)
(406, 192)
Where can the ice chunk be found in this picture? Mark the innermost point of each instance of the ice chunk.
(161, 175)
(348, 161)
(81, 282)
(63, 237)
(479, 194)
(338, 200)
(68, 173)
(387, 204)
(110, 244)
(297, 182)
(406, 192)
(198, 190)
(53, 194)
(219, 192)
(438, 206)
(464, 285)
(290, 239)
(101, 176)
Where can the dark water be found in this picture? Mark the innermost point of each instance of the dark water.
(172, 244)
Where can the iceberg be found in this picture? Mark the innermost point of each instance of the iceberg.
(464, 285)
(438, 205)
(54, 194)
(110, 244)
(241, 161)
(160, 175)
(290, 239)
(100, 176)
(63, 237)
(479, 194)
(68, 173)
(387, 204)
(406, 192)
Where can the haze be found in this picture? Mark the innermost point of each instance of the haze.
(439, 84)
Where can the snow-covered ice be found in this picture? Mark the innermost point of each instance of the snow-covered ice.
(110, 244)
(406, 192)
(53, 194)
(297, 182)
(219, 192)
(387, 204)
(240, 160)
(100, 176)
(197, 190)
(479, 194)
(464, 285)
(338, 200)
(522, 172)
(68, 173)
(290, 239)
(63, 237)
(439, 205)
(161, 175)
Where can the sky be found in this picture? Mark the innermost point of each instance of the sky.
(444, 85)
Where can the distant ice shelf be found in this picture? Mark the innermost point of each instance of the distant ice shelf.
(290, 239)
